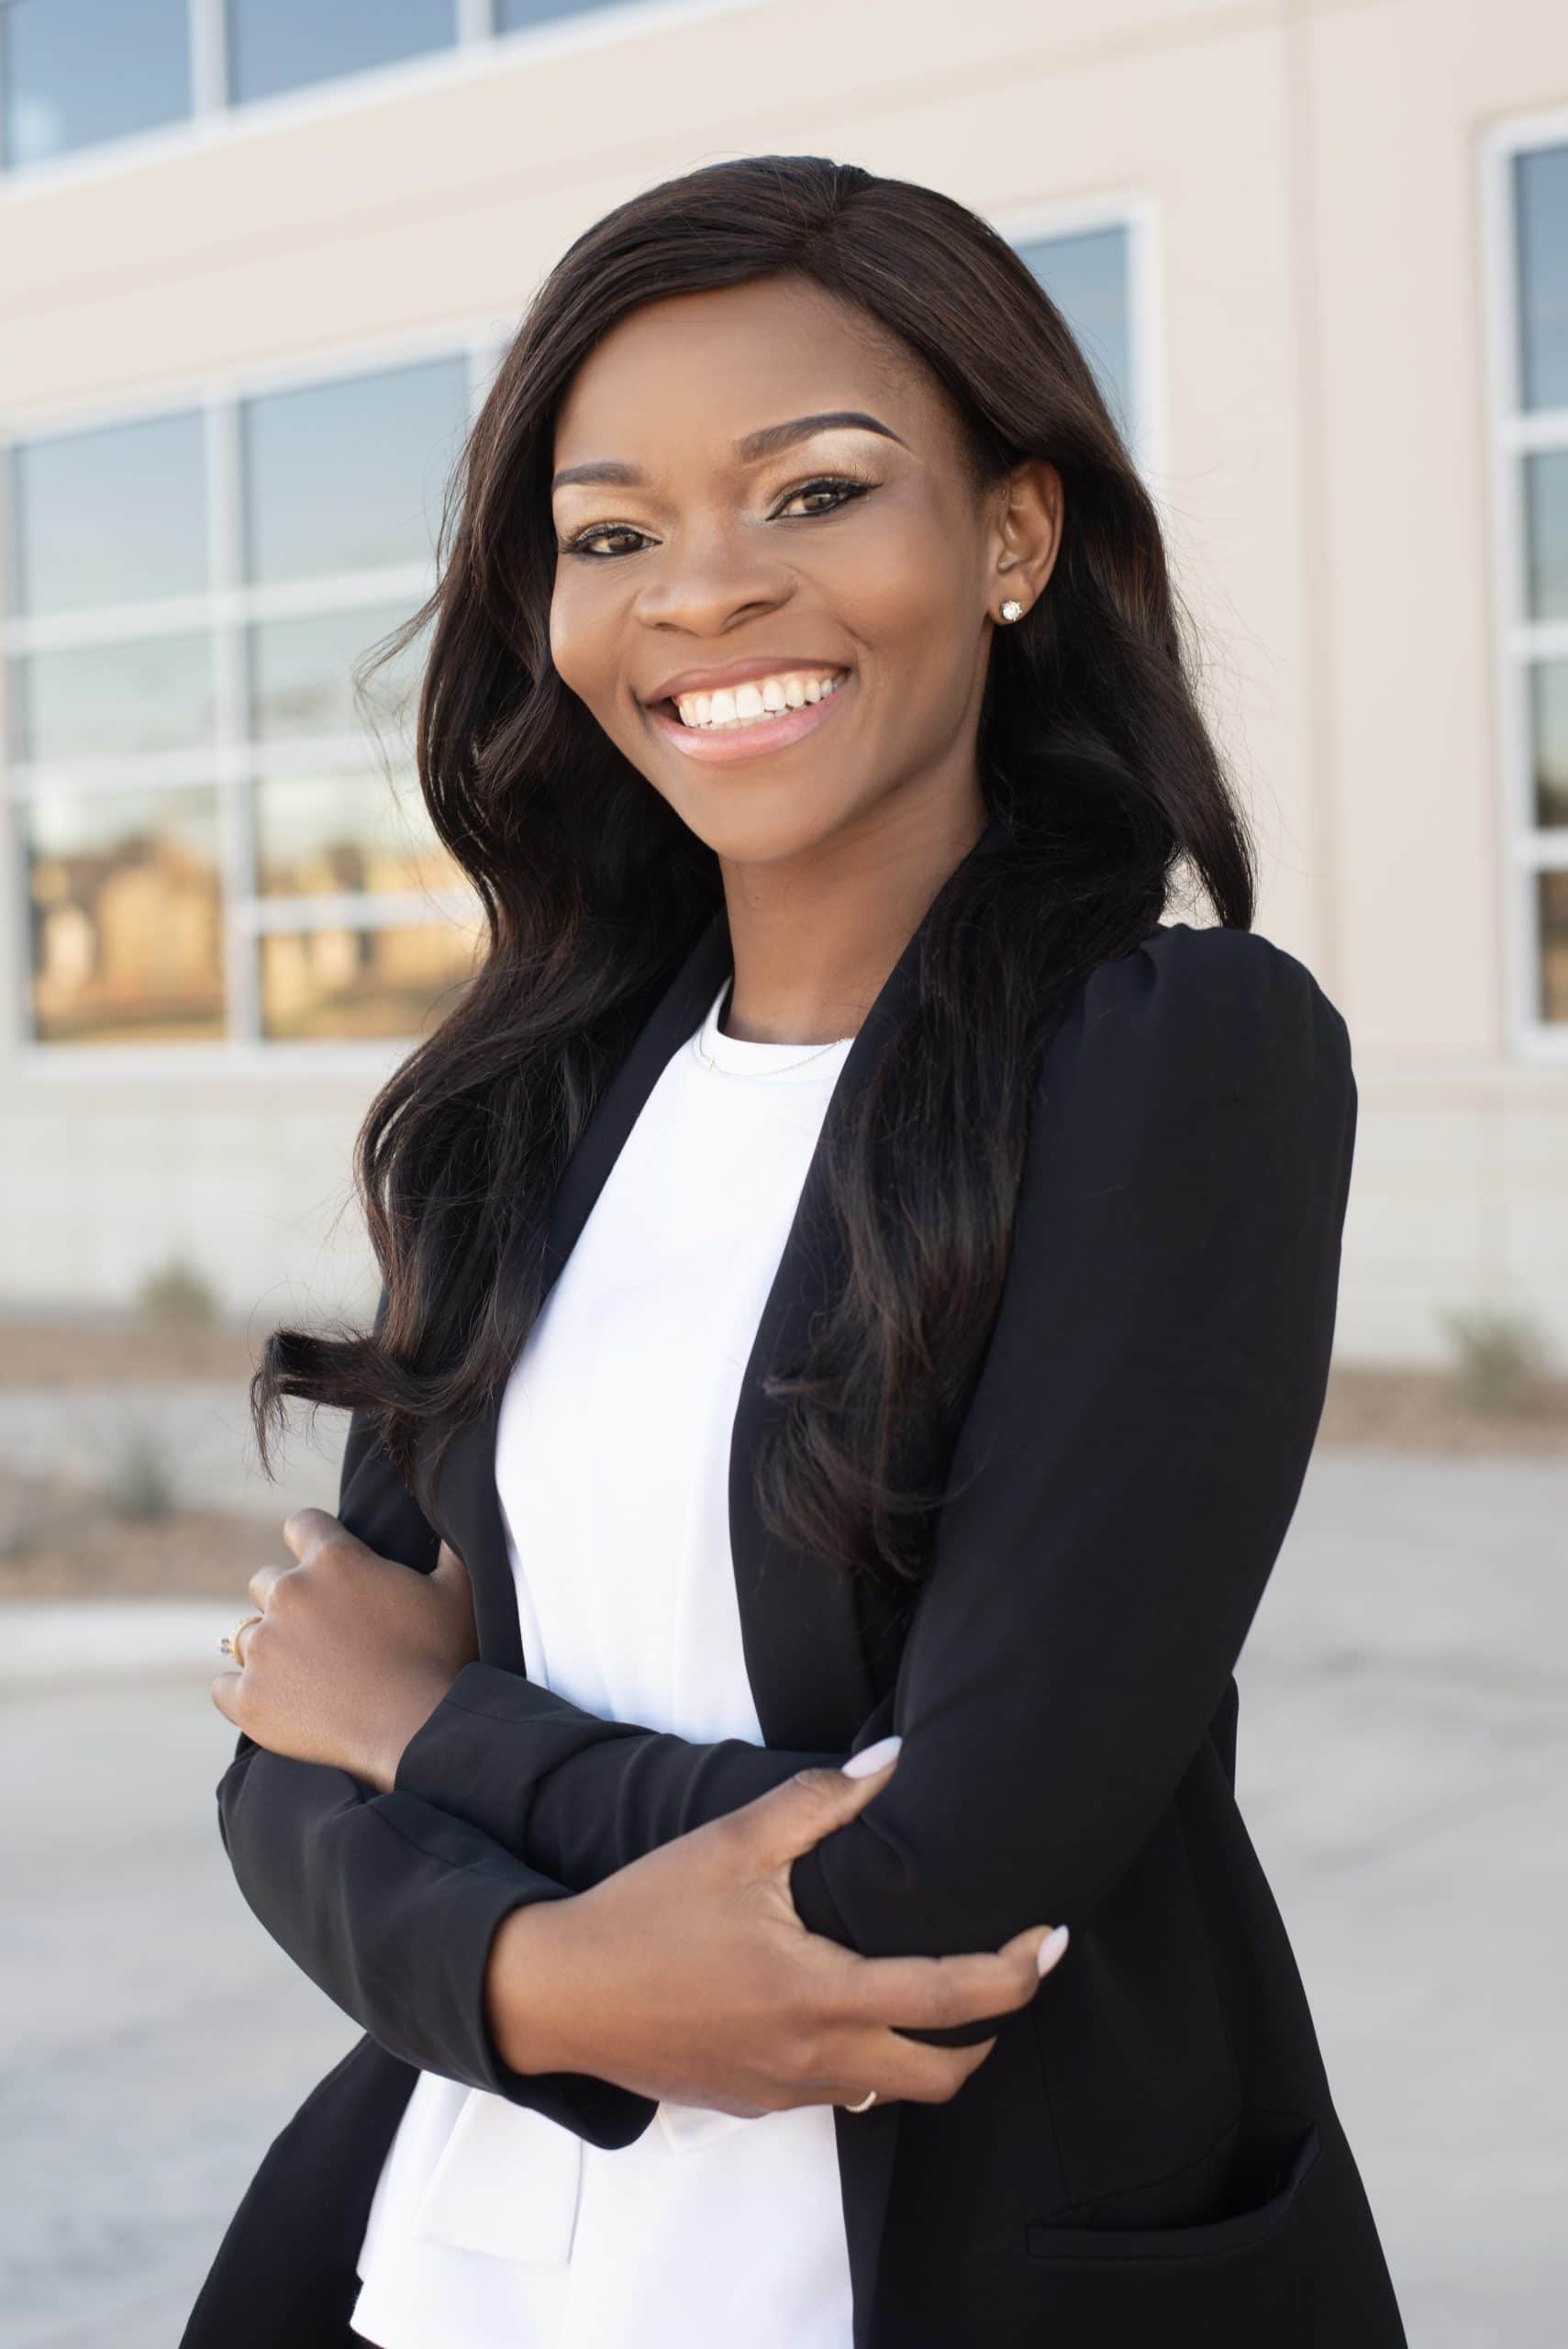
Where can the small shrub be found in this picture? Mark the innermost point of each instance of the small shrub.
(177, 1296)
(1500, 1363)
(142, 1482)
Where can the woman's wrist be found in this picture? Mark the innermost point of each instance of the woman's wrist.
(404, 1711)
(525, 1976)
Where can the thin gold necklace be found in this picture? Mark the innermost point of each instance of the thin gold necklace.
(708, 1060)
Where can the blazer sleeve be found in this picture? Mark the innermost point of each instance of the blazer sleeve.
(1127, 1468)
(389, 1905)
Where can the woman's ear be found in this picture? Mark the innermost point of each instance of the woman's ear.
(1027, 531)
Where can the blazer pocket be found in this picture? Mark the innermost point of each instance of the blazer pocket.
(1270, 2155)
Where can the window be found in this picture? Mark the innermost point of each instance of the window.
(81, 73)
(1528, 215)
(1097, 261)
(77, 73)
(1087, 273)
(275, 45)
(210, 845)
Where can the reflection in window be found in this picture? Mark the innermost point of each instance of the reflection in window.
(99, 701)
(1553, 914)
(362, 983)
(301, 681)
(127, 915)
(347, 475)
(275, 45)
(1549, 733)
(1546, 532)
(1540, 201)
(1536, 598)
(332, 835)
(75, 73)
(116, 515)
(233, 768)
(1085, 274)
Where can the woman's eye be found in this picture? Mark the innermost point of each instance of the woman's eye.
(837, 486)
(584, 542)
(840, 488)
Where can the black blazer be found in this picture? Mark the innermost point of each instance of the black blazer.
(1151, 2152)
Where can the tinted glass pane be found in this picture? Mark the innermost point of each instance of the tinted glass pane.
(1553, 908)
(78, 71)
(1546, 535)
(127, 915)
(113, 517)
(277, 45)
(347, 475)
(318, 835)
(1085, 277)
(1549, 740)
(1540, 194)
(104, 700)
(511, 15)
(325, 983)
(301, 684)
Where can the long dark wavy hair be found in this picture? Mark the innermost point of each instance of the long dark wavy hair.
(1090, 750)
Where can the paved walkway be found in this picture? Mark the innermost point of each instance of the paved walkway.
(1402, 1745)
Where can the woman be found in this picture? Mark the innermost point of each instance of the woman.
(859, 1286)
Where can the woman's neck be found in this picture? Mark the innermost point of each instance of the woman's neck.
(815, 936)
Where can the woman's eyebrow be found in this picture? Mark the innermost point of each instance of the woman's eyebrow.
(750, 448)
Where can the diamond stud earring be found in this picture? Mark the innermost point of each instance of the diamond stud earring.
(1012, 609)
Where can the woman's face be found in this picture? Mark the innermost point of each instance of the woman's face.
(839, 581)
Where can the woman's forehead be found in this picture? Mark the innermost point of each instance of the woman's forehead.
(702, 372)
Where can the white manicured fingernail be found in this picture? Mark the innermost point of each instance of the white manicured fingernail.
(861, 1765)
(1050, 1949)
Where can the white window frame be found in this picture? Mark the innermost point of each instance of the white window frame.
(1136, 211)
(230, 762)
(1529, 847)
(476, 49)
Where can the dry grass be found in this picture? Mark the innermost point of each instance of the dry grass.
(59, 1541)
(1423, 1412)
(47, 1354)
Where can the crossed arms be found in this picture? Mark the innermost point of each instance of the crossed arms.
(1125, 1476)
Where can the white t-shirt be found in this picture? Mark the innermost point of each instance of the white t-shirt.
(494, 2227)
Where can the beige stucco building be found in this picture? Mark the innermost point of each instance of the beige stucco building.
(1320, 251)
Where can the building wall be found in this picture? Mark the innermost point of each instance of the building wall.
(1322, 453)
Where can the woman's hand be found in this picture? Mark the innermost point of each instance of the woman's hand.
(688, 1977)
(353, 1652)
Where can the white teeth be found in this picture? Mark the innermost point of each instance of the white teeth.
(762, 697)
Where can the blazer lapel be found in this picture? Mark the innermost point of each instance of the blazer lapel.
(465, 1503)
(819, 1649)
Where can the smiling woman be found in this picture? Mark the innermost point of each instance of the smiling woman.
(858, 1293)
(855, 548)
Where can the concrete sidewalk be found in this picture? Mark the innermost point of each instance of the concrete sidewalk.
(56, 1641)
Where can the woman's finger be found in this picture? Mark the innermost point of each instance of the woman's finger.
(261, 1583)
(789, 1818)
(900, 2070)
(930, 1993)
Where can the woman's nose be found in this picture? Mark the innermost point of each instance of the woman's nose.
(704, 589)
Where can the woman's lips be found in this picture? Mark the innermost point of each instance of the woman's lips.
(729, 745)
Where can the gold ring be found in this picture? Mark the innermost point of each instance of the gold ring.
(865, 2103)
(229, 1643)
